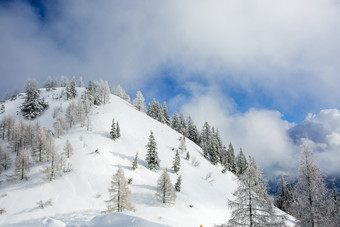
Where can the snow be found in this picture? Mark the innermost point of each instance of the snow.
(79, 196)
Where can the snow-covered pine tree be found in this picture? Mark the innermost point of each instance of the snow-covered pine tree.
(183, 123)
(215, 148)
(178, 184)
(334, 206)
(118, 130)
(224, 157)
(15, 94)
(231, 159)
(182, 145)
(40, 144)
(253, 206)
(119, 91)
(206, 140)
(176, 164)
(187, 157)
(2, 109)
(113, 131)
(33, 105)
(22, 165)
(53, 168)
(135, 162)
(120, 194)
(139, 101)
(311, 199)
(240, 163)
(49, 84)
(68, 149)
(193, 133)
(81, 82)
(152, 155)
(166, 114)
(285, 197)
(63, 81)
(175, 123)
(165, 190)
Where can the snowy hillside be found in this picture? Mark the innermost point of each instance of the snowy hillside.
(79, 196)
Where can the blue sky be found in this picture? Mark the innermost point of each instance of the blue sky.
(222, 61)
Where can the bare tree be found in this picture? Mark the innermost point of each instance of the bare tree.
(120, 194)
(68, 149)
(165, 190)
(22, 165)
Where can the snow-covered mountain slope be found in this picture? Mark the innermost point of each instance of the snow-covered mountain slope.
(79, 196)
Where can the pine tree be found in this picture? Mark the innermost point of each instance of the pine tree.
(118, 130)
(178, 183)
(206, 140)
(68, 149)
(311, 205)
(187, 157)
(240, 163)
(193, 134)
(183, 128)
(139, 101)
(135, 162)
(165, 190)
(285, 197)
(176, 163)
(224, 157)
(176, 124)
(33, 105)
(120, 194)
(182, 145)
(22, 165)
(166, 114)
(152, 155)
(231, 159)
(2, 110)
(113, 131)
(81, 82)
(334, 207)
(253, 206)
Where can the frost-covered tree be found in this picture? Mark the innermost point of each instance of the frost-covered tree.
(311, 199)
(187, 157)
(63, 81)
(118, 130)
(253, 206)
(182, 145)
(120, 194)
(176, 164)
(240, 163)
(120, 92)
(59, 126)
(70, 90)
(33, 105)
(68, 149)
(15, 94)
(2, 109)
(40, 145)
(231, 159)
(206, 140)
(81, 82)
(4, 158)
(71, 114)
(113, 131)
(193, 133)
(49, 84)
(215, 147)
(151, 153)
(155, 111)
(166, 114)
(178, 184)
(183, 124)
(176, 123)
(53, 168)
(165, 189)
(22, 165)
(334, 207)
(285, 195)
(135, 162)
(138, 102)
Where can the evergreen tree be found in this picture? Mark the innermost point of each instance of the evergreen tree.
(334, 207)
(118, 130)
(178, 183)
(187, 157)
(231, 159)
(63, 81)
(285, 197)
(22, 165)
(68, 149)
(311, 205)
(152, 155)
(81, 82)
(166, 114)
(215, 148)
(113, 131)
(183, 127)
(253, 206)
(176, 124)
(33, 105)
(135, 162)
(2, 110)
(193, 133)
(138, 102)
(176, 163)
(224, 157)
(182, 145)
(165, 190)
(241, 163)
(120, 194)
(206, 140)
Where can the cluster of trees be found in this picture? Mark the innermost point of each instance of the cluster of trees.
(158, 112)
(115, 130)
(98, 92)
(30, 143)
(309, 201)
